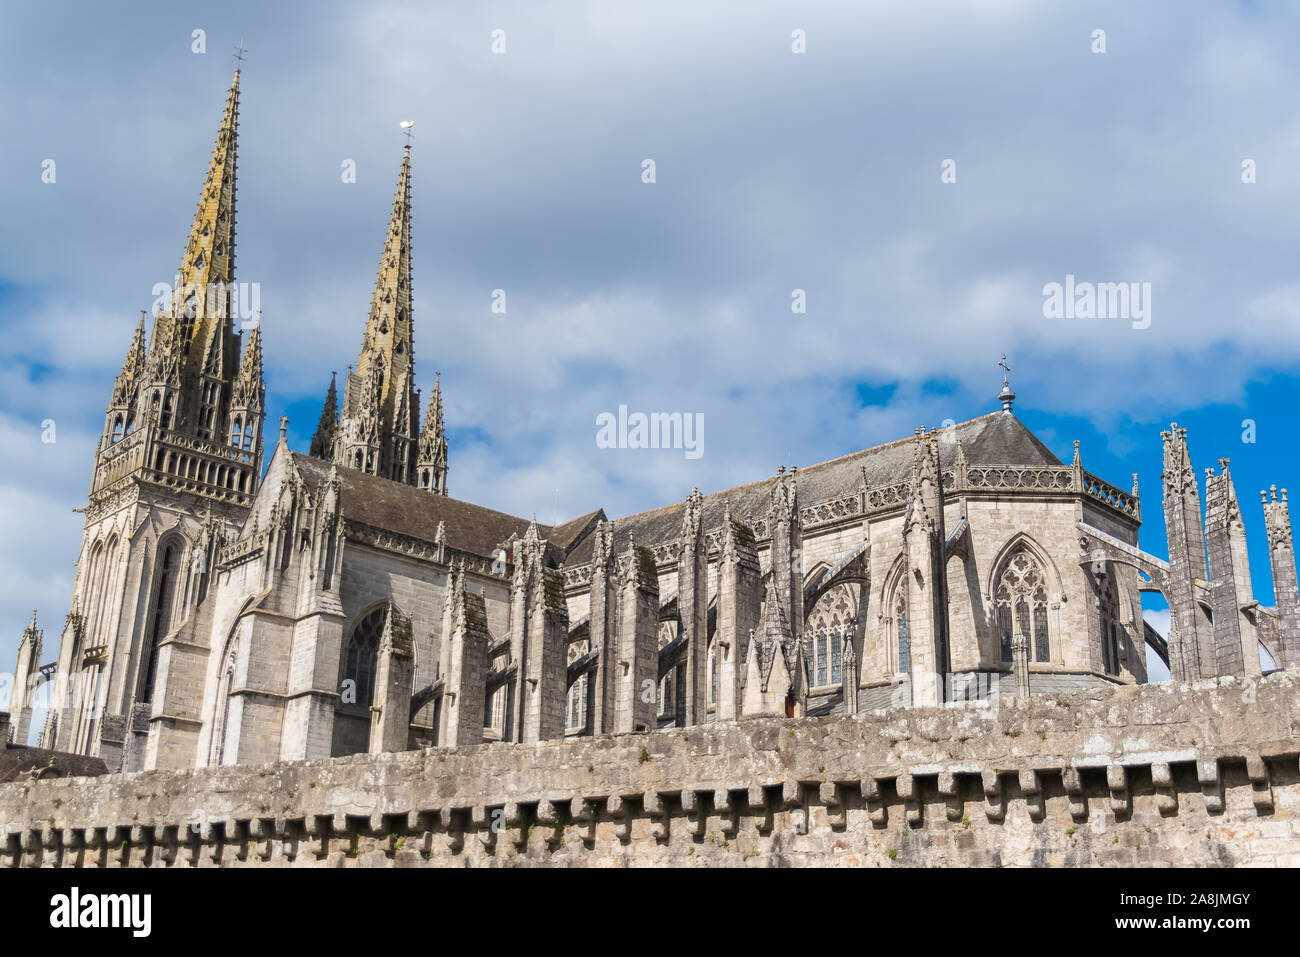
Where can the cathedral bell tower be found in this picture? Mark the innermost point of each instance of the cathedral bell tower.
(175, 471)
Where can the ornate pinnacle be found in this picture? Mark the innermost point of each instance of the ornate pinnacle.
(250, 387)
(322, 443)
(692, 515)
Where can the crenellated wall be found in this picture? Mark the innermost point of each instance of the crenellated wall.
(1204, 774)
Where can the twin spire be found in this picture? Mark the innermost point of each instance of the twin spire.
(193, 379)
(377, 429)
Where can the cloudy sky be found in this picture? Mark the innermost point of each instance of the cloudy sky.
(775, 171)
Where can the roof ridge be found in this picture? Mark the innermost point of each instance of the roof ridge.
(316, 463)
(816, 465)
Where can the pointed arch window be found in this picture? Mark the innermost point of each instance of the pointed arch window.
(494, 710)
(363, 656)
(576, 713)
(830, 624)
(1021, 600)
(117, 429)
(227, 685)
(901, 627)
(164, 602)
(713, 673)
(666, 696)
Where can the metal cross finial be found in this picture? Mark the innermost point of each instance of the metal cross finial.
(407, 127)
(239, 54)
(1006, 396)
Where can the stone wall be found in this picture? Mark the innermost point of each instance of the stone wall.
(1198, 775)
(28, 764)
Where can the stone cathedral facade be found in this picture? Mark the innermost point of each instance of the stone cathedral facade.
(342, 601)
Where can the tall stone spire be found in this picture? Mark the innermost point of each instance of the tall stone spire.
(181, 452)
(194, 351)
(208, 264)
(432, 463)
(380, 421)
(322, 443)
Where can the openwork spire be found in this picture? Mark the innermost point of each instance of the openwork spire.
(379, 427)
(209, 257)
(388, 340)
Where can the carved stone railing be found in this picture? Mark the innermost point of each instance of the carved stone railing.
(94, 655)
(167, 458)
(119, 460)
(578, 576)
(825, 513)
(1108, 494)
(391, 541)
(242, 550)
(997, 477)
(217, 450)
(182, 483)
(884, 498)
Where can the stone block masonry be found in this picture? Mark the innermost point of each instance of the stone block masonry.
(1203, 774)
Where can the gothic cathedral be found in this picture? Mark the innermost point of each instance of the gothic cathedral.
(341, 601)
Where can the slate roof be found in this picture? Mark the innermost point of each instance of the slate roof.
(416, 512)
(992, 439)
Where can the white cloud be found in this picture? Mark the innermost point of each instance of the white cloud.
(776, 172)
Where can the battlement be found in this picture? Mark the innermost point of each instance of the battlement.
(1201, 774)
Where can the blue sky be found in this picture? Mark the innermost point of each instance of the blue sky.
(775, 171)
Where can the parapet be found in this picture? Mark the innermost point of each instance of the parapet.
(1190, 774)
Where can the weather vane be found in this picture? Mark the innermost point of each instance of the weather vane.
(1002, 364)
(406, 127)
